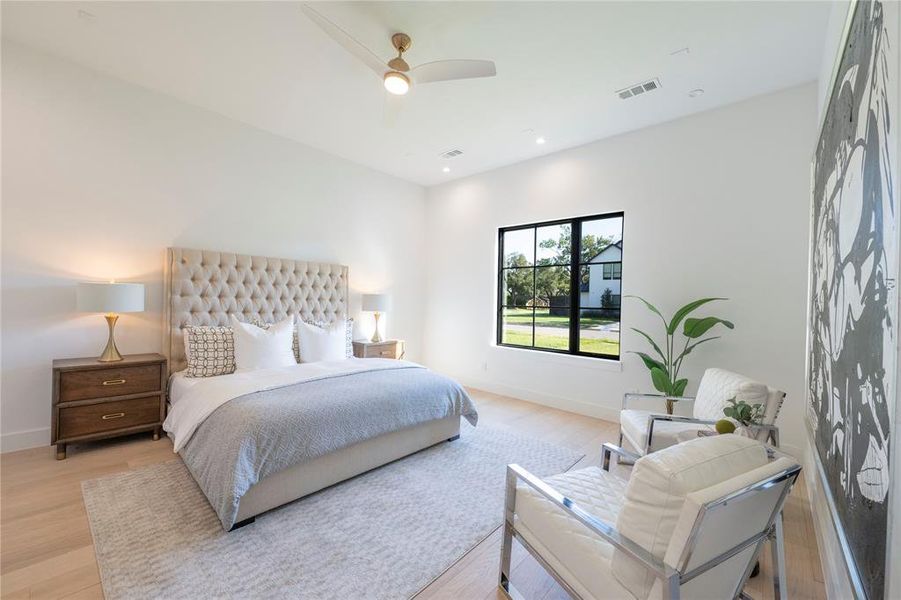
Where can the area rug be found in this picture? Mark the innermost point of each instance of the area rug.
(385, 534)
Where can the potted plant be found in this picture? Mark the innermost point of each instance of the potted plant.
(665, 369)
(743, 413)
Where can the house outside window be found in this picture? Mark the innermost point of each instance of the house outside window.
(612, 270)
(555, 295)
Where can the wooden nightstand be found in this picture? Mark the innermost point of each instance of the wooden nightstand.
(94, 400)
(386, 349)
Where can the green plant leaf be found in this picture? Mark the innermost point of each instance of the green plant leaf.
(649, 362)
(691, 347)
(679, 387)
(685, 310)
(651, 307)
(695, 328)
(651, 341)
(661, 380)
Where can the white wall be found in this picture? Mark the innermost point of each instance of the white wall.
(715, 205)
(100, 176)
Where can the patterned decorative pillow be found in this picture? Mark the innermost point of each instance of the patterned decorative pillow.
(295, 343)
(209, 350)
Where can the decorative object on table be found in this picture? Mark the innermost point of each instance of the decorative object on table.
(724, 426)
(93, 400)
(110, 298)
(385, 349)
(665, 371)
(644, 431)
(852, 337)
(377, 304)
(746, 414)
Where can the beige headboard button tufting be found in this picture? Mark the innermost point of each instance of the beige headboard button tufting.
(203, 287)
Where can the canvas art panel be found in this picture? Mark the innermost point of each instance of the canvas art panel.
(853, 327)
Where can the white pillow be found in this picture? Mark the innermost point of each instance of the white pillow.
(318, 343)
(257, 348)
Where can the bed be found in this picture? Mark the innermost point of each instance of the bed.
(256, 440)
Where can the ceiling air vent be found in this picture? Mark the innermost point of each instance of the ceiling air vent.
(451, 153)
(638, 88)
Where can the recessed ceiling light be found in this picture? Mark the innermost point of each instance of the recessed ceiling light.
(446, 169)
(695, 93)
(539, 140)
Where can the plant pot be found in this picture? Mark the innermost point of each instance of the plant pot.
(670, 405)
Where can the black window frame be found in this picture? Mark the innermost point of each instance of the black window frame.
(575, 265)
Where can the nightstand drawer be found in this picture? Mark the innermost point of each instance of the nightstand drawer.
(103, 383)
(383, 352)
(385, 349)
(106, 416)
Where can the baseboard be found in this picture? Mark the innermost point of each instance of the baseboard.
(835, 578)
(22, 440)
(568, 404)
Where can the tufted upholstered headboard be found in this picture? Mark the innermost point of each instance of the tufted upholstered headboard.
(203, 287)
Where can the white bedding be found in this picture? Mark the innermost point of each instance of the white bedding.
(197, 400)
(179, 384)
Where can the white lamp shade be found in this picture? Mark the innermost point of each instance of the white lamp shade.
(110, 297)
(376, 302)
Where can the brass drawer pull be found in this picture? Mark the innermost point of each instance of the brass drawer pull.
(113, 382)
(113, 416)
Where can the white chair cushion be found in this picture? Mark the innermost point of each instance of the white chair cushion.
(722, 531)
(581, 558)
(634, 425)
(657, 489)
(718, 385)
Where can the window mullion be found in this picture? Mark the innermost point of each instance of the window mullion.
(575, 239)
(534, 278)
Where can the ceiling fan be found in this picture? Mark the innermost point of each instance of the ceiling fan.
(396, 73)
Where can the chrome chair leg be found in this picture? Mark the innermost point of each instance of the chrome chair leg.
(507, 542)
(777, 545)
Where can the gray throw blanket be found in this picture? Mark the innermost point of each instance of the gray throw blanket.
(258, 434)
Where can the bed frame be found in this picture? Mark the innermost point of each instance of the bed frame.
(204, 287)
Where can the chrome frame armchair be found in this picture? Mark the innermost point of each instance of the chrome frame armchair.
(772, 431)
(672, 578)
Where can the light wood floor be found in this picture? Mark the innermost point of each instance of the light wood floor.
(46, 549)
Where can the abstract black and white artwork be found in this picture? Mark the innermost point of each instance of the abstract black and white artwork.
(853, 325)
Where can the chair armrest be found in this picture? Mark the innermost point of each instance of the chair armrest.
(653, 418)
(772, 432)
(631, 396)
(607, 449)
(598, 527)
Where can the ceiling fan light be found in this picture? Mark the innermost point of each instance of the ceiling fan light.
(397, 83)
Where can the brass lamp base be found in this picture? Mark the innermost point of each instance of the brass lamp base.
(376, 338)
(111, 353)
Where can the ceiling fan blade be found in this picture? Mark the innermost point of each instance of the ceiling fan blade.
(446, 70)
(367, 56)
(393, 109)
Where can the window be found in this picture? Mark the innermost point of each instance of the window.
(559, 285)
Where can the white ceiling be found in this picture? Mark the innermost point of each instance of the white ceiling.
(558, 65)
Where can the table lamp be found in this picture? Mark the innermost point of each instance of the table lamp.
(377, 303)
(110, 298)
